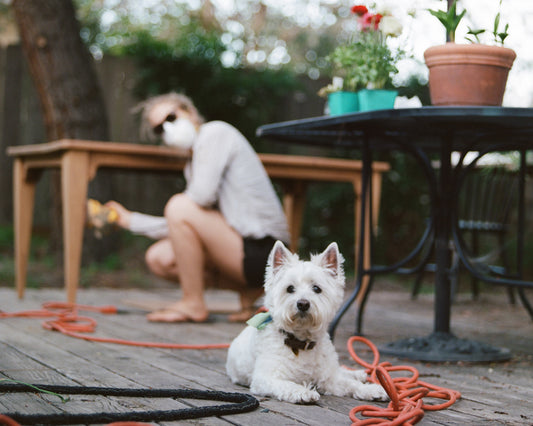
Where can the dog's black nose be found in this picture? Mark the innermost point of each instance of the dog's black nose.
(303, 305)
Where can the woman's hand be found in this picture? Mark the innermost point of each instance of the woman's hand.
(123, 213)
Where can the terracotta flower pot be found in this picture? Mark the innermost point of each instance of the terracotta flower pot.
(468, 74)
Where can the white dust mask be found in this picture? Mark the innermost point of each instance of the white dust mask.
(180, 133)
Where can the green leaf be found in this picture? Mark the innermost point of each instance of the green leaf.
(476, 34)
(496, 23)
(449, 19)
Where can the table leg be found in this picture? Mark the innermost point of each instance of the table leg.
(366, 251)
(24, 199)
(442, 345)
(74, 183)
(370, 213)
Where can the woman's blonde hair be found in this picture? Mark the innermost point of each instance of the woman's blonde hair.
(178, 100)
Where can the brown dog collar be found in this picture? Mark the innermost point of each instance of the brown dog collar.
(296, 344)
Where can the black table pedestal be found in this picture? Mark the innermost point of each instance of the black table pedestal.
(441, 347)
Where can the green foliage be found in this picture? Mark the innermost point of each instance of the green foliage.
(6, 238)
(344, 59)
(329, 216)
(450, 19)
(365, 61)
(499, 36)
(191, 64)
(474, 33)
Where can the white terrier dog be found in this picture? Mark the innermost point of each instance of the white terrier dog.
(288, 353)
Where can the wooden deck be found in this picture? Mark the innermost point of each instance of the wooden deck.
(493, 394)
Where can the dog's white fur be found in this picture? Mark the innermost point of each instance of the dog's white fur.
(261, 360)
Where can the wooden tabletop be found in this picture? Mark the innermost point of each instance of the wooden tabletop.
(96, 146)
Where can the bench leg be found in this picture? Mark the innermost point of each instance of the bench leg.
(293, 205)
(74, 183)
(376, 197)
(24, 200)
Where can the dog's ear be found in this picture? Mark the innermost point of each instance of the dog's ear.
(278, 255)
(332, 259)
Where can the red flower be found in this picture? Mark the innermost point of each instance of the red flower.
(359, 10)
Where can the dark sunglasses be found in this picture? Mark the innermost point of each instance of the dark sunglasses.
(159, 128)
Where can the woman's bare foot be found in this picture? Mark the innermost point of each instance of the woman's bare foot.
(179, 312)
(243, 315)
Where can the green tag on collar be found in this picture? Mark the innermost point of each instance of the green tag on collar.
(260, 320)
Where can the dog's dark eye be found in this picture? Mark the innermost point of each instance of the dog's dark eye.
(317, 289)
(290, 289)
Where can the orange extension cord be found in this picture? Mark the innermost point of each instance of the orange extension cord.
(406, 393)
(7, 421)
(407, 406)
(67, 321)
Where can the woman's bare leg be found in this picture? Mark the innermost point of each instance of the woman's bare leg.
(198, 235)
(161, 260)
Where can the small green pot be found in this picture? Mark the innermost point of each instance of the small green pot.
(372, 99)
(343, 103)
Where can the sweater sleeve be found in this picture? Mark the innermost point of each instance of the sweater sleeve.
(212, 153)
(154, 227)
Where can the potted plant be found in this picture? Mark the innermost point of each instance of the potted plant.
(342, 98)
(468, 74)
(363, 66)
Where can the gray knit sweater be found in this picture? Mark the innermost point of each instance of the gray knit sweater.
(226, 173)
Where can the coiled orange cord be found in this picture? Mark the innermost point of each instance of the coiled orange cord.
(406, 393)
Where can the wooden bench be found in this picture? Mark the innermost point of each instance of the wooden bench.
(79, 161)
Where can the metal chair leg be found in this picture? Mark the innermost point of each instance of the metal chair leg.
(525, 302)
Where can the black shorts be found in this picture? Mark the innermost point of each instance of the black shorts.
(256, 253)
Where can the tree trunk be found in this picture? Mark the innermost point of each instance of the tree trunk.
(62, 70)
(9, 123)
(67, 85)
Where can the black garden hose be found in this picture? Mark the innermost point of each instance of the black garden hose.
(239, 403)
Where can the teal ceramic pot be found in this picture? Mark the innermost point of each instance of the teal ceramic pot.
(372, 99)
(343, 103)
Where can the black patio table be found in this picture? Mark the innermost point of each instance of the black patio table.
(425, 133)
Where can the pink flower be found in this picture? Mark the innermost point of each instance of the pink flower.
(370, 21)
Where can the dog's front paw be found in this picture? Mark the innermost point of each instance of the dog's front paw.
(305, 396)
(285, 390)
(371, 392)
(359, 375)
